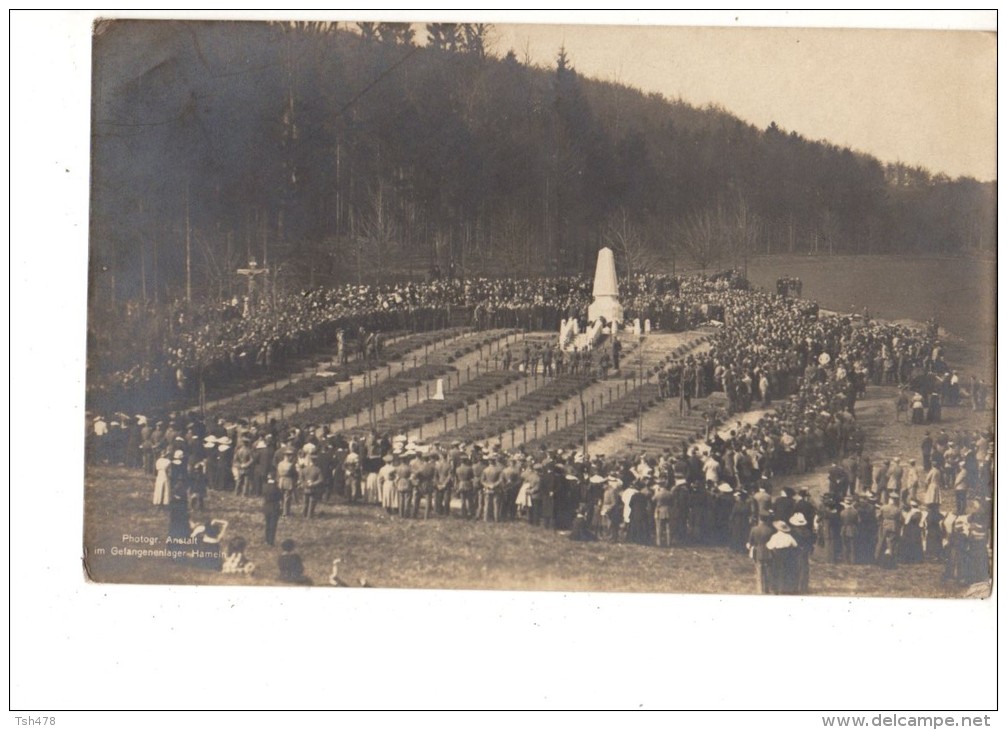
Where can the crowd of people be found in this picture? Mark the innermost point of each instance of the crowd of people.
(789, 286)
(769, 350)
(164, 354)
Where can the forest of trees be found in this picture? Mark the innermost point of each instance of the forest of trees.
(334, 152)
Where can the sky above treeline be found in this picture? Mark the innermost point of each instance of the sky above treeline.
(920, 97)
(902, 94)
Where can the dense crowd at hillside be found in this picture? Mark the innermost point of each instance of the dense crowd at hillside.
(236, 339)
(770, 349)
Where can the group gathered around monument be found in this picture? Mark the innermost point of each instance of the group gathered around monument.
(789, 375)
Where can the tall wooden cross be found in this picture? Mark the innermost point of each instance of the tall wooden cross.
(253, 272)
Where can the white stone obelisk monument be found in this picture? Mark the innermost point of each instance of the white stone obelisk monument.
(606, 290)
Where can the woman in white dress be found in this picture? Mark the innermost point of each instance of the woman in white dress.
(386, 483)
(372, 489)
(162, 482)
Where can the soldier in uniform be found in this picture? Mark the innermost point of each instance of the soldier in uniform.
(286, 476)
(404, 485)
(444, 481)
(424, 476)
(662, 515)
(310, 478)
(889, 531)
(490, 482)
(762, 501)
(510, 483)
(465, 487)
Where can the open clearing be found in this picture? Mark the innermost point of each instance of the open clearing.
(960, 292)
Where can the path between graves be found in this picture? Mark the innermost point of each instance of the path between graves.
(464, 369)
(333, 392)
(596, 396)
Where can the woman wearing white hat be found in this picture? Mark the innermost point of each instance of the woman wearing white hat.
(783, 561)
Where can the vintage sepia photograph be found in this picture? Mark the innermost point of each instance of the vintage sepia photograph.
(474, 305)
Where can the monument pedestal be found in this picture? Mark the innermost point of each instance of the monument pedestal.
(607, 307)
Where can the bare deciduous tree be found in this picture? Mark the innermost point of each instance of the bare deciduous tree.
(718, 234)
(698, 238)
(628, 243)
(376, 231)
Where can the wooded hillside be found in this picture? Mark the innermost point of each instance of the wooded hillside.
(337, 153)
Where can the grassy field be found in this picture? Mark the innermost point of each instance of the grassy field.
(443, 552)
(454, 553)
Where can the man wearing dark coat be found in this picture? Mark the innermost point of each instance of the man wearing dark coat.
(758, 536)
(926, 447)
(783, 505)
(805, 538)
(639, 518)
(803, 505)
(262, 462)
(740, 522)
(271, 498)
(695, 469)
(839, 482)
(662, 516)
(849, 521)
(723, 506)
(867, 532)
(866, 477)
(679, 511)
(829, 526)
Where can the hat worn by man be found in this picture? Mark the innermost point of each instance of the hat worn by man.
(782, 526)
(798, 520)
